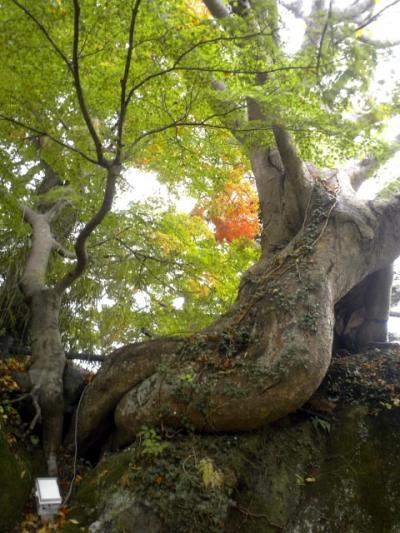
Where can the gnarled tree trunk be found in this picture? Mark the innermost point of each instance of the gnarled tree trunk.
(270, 352)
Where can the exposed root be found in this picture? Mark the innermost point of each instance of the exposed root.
(38, 413)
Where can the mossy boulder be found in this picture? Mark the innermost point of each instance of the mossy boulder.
(333, 466)
(358, 486)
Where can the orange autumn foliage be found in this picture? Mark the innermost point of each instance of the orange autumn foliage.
(233, 212)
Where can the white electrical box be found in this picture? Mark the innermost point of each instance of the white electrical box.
(48, 497)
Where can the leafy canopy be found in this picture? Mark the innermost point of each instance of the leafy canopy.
(146, 256)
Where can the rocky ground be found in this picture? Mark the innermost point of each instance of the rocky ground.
(330, 467)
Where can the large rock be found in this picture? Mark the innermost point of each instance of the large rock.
(329, 468)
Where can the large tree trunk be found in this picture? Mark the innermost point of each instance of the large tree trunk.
(270, 352)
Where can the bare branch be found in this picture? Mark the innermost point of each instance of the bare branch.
(51, 137)
(376, 16)
(124, 81)
(79, 90)
(91, 358)
(324, 30)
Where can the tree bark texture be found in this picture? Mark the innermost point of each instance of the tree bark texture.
(47, 369)
(48, 359)
(270, 352)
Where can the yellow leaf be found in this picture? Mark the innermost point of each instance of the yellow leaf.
(73, 521)
(212, 477)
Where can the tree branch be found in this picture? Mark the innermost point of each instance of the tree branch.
(62, 251)
(46, 34)
(74, 69)
(201, 124)
(376, 16)
(80, 245)
(55, 210)
(176, 68)
(124, 101)
(386, 243)
(362, 171)
(34, 276)
(378, 44)
(79, 90)
(324, 30)
(357, 10)
(51, 178)
(290, 159)
(54, 139)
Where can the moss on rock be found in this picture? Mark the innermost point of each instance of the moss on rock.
(330, 467)
(16, 484)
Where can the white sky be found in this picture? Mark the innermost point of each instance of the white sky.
(142, 185)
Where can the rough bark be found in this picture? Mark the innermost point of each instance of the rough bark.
(48, 359)
(284, 189)
(47, 369)
(270, 352)
(289, 476)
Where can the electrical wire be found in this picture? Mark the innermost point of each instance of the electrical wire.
(71, 485)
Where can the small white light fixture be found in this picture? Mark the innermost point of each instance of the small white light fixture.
(48, 497)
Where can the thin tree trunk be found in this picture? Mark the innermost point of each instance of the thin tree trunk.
(47, 369)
